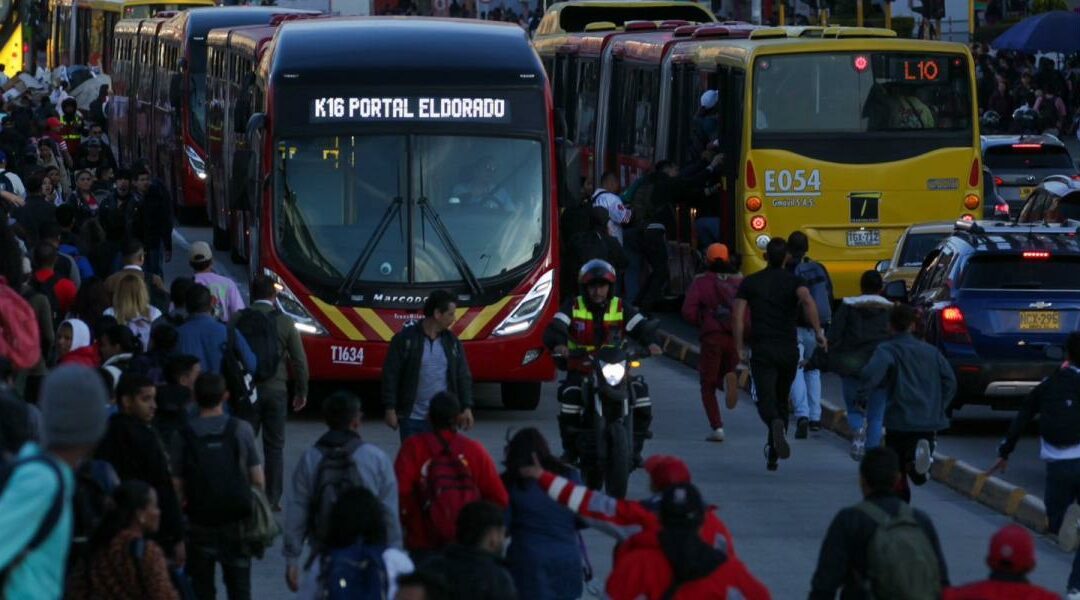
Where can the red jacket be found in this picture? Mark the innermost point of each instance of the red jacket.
(411, 459)
(708, 291)
(992, 589)
(86, 356)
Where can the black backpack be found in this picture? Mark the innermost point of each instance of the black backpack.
(48, 523)
(260, 331)
(215, 484)
(48, 289)
(335, 474)
(238, 380)
(1059, 405)
(95, 482)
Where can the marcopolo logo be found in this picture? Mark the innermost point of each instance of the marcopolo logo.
(409, 108)
(394, 299)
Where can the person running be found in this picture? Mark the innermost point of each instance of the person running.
(774, 297)
(806, 388)
(709, 305)
(1011, 558)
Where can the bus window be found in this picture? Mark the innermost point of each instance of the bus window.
(589, 86)
(644, 111)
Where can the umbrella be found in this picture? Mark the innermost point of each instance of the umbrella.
(1055, 31)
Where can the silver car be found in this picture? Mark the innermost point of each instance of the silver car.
(1019, 163)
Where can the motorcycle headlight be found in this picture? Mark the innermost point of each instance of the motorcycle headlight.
(528, 310)
(196, 163)
(613, 373)
(293, 308)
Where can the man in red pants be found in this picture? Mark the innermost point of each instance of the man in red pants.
(708, 306)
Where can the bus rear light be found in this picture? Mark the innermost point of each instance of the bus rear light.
(953, 326)
(289, 304)
(759, 223)
(753, 204)
(526, 313)
(861, 63)
(971, 202)
(968, 217)
(973, 177)
(1035, 255)
(751, 177)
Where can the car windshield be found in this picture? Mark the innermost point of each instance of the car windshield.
(414, 205)
(1015, 272)
(1020, 157)
(917, 246)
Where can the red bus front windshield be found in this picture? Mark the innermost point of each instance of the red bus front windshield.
(452, 208)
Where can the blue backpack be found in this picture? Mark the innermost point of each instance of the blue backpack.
(355, 572)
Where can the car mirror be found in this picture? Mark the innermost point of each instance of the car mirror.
(896, 291)
(882, 266)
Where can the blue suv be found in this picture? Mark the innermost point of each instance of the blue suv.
(999, 299)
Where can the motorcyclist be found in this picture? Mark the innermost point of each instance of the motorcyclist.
(594, 319)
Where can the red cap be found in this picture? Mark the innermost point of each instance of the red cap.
(1012, 550)
(52, 123)
(665, 471)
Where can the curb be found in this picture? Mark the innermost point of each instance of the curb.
(970, 481)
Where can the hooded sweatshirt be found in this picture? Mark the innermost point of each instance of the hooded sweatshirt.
(83, 351)
(858, 326)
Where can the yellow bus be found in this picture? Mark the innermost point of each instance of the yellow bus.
(847, 134)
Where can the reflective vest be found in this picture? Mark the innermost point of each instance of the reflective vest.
(71, 129)
(583, 327)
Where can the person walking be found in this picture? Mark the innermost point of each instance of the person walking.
(859, 325)
(123, 563)
(709, 305)
(175, 398)
(268, 330)
(851, 558)
(919, 384)
(653, 208)
(131, 306)
(1056, 404)
(472, 566)
(423, 360)
(607, 197)
(774, 297)
(597, 243)
(339, 460)
(74, 346)
(36, 510)
(227, 299)
(207, 338)
(806, 388)
(156, 228)
(1011, 558)
(429, 461)
(133, 259)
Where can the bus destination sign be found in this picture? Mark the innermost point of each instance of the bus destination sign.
(338, 109)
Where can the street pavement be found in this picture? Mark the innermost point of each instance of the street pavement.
(778, 519)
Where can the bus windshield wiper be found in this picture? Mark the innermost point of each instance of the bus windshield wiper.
(393, 210)
(428, 212)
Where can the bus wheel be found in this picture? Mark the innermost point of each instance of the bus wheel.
(221, 238)
(521, 395)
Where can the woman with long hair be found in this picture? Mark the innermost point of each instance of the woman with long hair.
(122, 562)
(545, 552)
(50, 159)
(83, 198)
(131, 306)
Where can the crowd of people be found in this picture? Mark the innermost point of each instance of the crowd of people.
(1019, 93)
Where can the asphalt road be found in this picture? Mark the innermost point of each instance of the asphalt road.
(778, 519)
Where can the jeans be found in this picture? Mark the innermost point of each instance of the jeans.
(235, 571)
(708, 231)
(772, 367)
(904, 443)
(1062, 489)
(718, 358)
(410, 427)
(269, 415)
(654, 247)
(631, 276)
(873, 414)
(806, 388)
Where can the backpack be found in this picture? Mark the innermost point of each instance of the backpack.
(355, 572)
(214, 483)
(260, 331)
(238, 380)
(48, 523)
(258, 532)
(95, 482)
(20, 337)
(335, 474)
(446, 486)
(820, 286)
(901, 562)
(48, 289)
(1059, 404)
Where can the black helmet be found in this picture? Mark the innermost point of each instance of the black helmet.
(594, 271)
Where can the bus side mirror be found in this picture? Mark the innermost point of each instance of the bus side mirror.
(176, 89)
(896, 291)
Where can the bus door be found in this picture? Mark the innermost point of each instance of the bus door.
(564, 94)
(732, 87)
(584, 125)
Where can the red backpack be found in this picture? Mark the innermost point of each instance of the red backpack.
(20, 340)
(446, 486)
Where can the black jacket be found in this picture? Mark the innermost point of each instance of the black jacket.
(842, 562)
(472, 574)
(858, 326)
(597, 244)
(1057, 399)
(121, 217)
(401, 371)
(157, 218)
(172, 411)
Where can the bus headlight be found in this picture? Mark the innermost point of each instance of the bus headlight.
(197, 164)
(528, 310)
(289, 304)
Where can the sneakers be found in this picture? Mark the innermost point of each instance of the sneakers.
(717, 435)
(802, 428)
(1069, 534)
(771, 463)
(815, 426)
(777, 439)
(744, 377)
(924, 457)
(731, 390)
(858, 444)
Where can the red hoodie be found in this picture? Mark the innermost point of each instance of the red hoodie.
(86, 356)
(644, 572)
(707, 292)
(999, 590)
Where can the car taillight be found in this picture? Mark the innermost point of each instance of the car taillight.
(1035, 255)
(1001, 210)
(953, 326)
(1076, 177)
(999, 181)
(1027, 146)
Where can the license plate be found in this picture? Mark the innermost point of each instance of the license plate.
(1040, 320)
(347, 355)
(1024, 192)
(862, 238)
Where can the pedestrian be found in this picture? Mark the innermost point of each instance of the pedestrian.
(358, 535)
(120, 212)
(92, 155)
(430, 461)
(204, 336)
(597, 243)
(709, 305)
(653, 206)
(72, 126)
(1054, 403)
(176, 397)
(123, 562)
(156, 228)
(282, 361)
(422, 585)
(774, 297)
(59, 290)
(859, 325)
(66, 266)
(118, 347)
(216, 463)
(131, 306)
(135, 451)
(50, 158)
(74, 346)
(338, 461)
(227, 299)
(854, 557)
(36, 503)
(176, 313)
(1011, 558)
(35, 212)
(472, 566)
(424, 359)
(919, 384)
(82, 198)
(806, 388)
(46, 334)
(15, 183)
(607, 196)
(677, 563)
(20, 422)
(151, 363)
(545, 548)
(96, 115)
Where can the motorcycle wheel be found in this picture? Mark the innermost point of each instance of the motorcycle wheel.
(617, 466)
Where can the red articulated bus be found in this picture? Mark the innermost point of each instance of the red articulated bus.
(417, 155)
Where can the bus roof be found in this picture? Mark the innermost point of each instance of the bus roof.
(149, 27)
(575, 15)
(744, 50)
(249, 38)
(651, 47)
(405, 51)
(197, 22)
